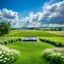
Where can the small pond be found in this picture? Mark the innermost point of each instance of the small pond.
(33, 39)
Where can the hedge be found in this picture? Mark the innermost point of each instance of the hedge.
(58, 44)
(10, 41)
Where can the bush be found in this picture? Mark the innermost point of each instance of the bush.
(5, 42)
(19, 39)
(11, 40)
(54, 56)
(16, 39)
(8, 56)
(2, 43)
(58, 44)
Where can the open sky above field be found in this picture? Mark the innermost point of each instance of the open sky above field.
(32, 13)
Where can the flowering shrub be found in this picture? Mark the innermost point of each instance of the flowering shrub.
(8, 56)
(55, 55)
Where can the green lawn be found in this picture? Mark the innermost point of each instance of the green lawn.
(5, 38)
(22, 33)
(30, 52)
(57, 39)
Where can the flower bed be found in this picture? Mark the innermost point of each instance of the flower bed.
(8, 56)
(54, 56)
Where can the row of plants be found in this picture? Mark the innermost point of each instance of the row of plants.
(8, 56)
(54, 56)
(58, 44)
(10, 41)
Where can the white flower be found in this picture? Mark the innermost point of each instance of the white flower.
(48, 50)
(12, 57)
(4, 52)
(7, 54)
(5, 58)
(8, 59)
(4, 61)
(0, 52)
(62, 56)
(59, 54)
(1, 60)
(63, 59)
(14, 51)
(0, 56)
(54, 54)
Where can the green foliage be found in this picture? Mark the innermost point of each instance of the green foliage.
(5, 42)
(10, 41)
(19, 39)
(4, 28)
(1, 42)
(58, 44)
(30, 52)
(8, 56)
(54, 56)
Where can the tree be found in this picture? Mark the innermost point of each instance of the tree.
(4, 28)
(59, 29)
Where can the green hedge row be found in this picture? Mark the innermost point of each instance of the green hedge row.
(58, 44)
(10, 41)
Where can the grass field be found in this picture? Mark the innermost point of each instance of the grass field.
(22, 33)
(57, 39)
(61, 33)
(31, 52)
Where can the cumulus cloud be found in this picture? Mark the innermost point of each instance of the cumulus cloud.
(8, 15)
(51, 16)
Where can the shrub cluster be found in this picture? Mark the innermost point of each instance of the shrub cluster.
(8, 56)
(4, 28)
(58, 44)
(54, 56)
(10, 41)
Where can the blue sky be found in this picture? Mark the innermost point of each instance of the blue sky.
(30, 10)
(24, 6)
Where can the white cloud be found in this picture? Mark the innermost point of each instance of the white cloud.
(8, 15)
(51, 15)
(53, 25)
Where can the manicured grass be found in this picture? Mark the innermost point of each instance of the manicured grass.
(22, 33)
(57, 39)
(30, 52)
(5, 38)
